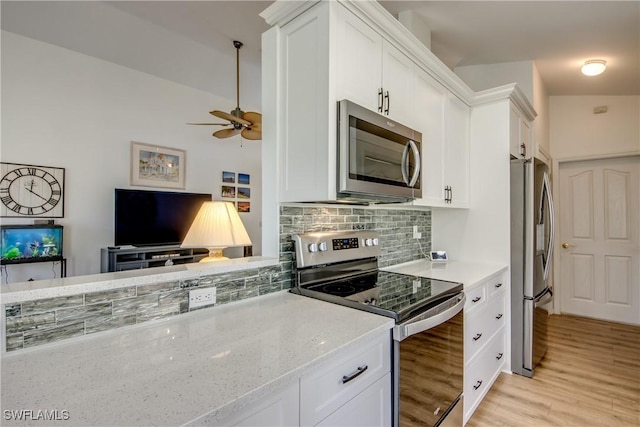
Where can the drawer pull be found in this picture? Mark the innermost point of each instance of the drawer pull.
(477, 385)
(477, 337)
(476, 299)
(360, 371)
(498, 285)
(499, 356)
(499, 316)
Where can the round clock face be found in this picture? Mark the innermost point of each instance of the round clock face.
(30, 190)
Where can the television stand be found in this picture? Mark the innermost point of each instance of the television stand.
(134, 258)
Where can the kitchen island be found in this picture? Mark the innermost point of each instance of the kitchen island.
(202, 366)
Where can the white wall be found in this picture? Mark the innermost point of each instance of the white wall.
(575, 132)
(65, 109)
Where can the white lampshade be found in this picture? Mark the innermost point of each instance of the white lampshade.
(594, 67)
(217, 226)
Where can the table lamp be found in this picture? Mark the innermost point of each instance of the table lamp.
(216, 226)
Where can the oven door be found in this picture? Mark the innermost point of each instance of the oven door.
(377, 156)
(430, 367)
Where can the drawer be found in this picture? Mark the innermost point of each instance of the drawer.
(495, 285)
(479, 326)
(328, 387)
(476, 297)
(480, 374)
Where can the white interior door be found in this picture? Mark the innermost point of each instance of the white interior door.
(599, 237)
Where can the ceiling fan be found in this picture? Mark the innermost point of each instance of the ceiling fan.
(248, 124)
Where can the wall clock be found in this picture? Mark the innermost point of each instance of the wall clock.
(31, 191)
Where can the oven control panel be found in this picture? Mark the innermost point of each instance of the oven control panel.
(323, 247)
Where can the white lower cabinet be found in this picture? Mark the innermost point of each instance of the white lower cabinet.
(349, 387)
(353, 389)
(484, 339)
(278, 409)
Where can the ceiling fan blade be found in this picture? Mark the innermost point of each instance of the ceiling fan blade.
(251, 134)
(226, 133)
(210, 124)
(253, 117)
(229, 117)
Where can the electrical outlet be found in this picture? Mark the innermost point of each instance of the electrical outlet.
(416, 233)
(202, 297)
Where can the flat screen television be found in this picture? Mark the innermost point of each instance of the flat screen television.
(154, 218)
(30, 243)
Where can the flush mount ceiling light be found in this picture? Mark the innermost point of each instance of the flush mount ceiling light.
(594, 67)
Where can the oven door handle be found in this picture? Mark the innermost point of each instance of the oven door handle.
(412, 327)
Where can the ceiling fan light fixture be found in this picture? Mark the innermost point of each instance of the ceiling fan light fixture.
(594, 67)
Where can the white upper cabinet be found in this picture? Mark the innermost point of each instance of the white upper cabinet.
(371, 72)
(444, 120)
(520, 135)
(320, 53)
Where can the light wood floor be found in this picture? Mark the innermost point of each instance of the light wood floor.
(590, 376)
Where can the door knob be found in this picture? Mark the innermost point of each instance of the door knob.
(567, 246)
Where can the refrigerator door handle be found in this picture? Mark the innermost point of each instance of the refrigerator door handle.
(544, 298)
(547, 191)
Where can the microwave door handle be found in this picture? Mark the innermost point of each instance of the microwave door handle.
(416, 156)
(404, 165)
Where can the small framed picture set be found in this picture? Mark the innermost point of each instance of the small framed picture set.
(155, 166)
(244, 178)
(228, 192)
(229, 177)
(244, 207)
(244, 193)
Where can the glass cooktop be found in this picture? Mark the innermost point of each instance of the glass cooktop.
(390, 294)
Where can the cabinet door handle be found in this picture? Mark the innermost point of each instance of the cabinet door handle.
(476, 299)
(477, 385)
(477, 337)
(386, 97)
(498, 285)
(354, 375)
(380, 101)
(499, 356)
(523, 150)
(499, 316)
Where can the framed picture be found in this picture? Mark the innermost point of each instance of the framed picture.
(244, 178)
(228, 192)
(229, 177)
(155, 166)
(244, 193)
(244, 207)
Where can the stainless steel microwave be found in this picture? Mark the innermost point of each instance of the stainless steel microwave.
(379, 159)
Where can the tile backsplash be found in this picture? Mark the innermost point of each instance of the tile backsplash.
(36, 322)
(395, 226)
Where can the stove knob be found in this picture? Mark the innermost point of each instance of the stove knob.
(368, 242)
(313, 247)
(376, 242)
(323, 246)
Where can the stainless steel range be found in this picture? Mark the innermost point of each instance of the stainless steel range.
(342, 268)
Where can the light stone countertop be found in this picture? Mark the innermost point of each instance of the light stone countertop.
(210, 362)
(465, 272)
(39, 289)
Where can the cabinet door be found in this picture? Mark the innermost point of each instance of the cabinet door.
(307, 123)
(280, 408)
(359, 65)
(456, 151)
(519, 134)
(397, 84)
(370, 408)
(429, 100)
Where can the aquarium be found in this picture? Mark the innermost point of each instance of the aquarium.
(31, 243)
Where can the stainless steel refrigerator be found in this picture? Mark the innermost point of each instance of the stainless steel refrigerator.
(532, 236)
